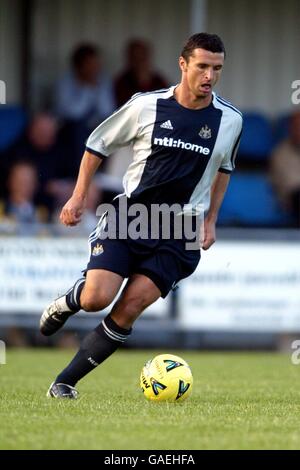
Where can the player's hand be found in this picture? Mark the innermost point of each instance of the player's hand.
(72, 211)
(209, 234)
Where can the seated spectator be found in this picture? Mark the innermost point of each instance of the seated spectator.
(138, 75)
(86, 92)
(84, 98)
(19, 207)
(285, 169)
(42, 146)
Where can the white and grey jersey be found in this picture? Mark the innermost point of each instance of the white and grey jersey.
(177, 151)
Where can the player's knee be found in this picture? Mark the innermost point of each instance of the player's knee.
(94, 302)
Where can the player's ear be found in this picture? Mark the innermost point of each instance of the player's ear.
(182, 64)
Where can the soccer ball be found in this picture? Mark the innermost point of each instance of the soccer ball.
(166, 378)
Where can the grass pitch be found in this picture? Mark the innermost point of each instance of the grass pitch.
(239, 401)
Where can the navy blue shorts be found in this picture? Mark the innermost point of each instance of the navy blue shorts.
(165, 262)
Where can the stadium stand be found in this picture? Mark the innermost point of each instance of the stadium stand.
(250, 201)
(257, 139)
(12, 124)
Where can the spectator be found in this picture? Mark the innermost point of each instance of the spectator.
(42, 145)
(85, 93)
(19, 208)
(84, 98)
(285, 169)
(138, 75)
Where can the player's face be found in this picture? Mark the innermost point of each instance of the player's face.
(202, 71)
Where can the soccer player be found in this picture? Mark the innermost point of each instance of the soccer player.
(185, 141)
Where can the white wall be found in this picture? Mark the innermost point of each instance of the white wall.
(59, 25)
(262, 38)
(263, 42)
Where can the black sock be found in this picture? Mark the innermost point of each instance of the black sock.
(73, 295)
(95, 348)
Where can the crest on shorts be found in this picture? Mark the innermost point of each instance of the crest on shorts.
(97, 250)
(205, 132)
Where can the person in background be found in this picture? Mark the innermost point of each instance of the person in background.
(285, 169)
(42, 146)
(19, 207)
(86, 92)
(138, 75)
(83, 99)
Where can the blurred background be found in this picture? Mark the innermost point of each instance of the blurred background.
(67, 65)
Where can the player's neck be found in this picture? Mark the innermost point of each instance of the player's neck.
(188, 100)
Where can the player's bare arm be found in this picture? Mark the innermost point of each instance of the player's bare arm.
(217, 195)
(72, 211)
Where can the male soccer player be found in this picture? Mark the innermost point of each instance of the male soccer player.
(185, 140)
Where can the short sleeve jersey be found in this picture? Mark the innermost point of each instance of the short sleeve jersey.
(177, 151)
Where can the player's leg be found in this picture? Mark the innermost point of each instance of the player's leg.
(139, 293)
(107, 267)
(91, 293)
(100, 288)
(61, 309)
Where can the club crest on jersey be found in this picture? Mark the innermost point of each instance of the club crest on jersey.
(205, 132)
(97, 250)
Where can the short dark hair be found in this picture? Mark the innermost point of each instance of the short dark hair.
(81, 52)
(209, 42)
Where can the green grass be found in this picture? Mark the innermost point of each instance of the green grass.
(239, 401)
